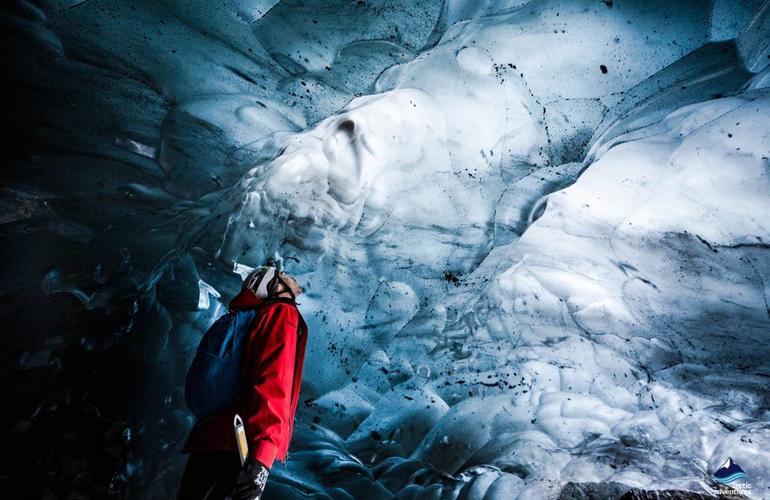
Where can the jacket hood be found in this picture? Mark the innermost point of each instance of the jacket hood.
(245, 300)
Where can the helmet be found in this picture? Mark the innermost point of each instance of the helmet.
(263, 281)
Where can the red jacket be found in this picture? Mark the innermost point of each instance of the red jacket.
(271, 370)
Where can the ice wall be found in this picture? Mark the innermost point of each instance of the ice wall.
(533, 235)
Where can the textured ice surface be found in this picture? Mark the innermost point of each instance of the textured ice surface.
(534, 236)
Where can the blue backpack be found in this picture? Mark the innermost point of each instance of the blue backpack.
(213, 380)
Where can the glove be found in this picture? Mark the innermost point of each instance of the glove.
(250, 482)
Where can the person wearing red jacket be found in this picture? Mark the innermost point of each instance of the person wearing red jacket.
(271, 371)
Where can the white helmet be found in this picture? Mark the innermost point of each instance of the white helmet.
(263, 281)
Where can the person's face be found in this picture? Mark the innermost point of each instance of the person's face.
(295, 288)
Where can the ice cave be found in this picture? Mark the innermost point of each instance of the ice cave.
(534, 238)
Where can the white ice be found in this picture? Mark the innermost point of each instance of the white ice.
(610, 330)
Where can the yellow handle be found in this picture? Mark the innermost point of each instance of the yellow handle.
(240, 438)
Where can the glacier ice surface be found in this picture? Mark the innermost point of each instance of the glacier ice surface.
(534, 235)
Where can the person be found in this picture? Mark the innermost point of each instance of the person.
(271, 370)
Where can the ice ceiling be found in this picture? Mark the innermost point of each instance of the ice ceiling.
(535, 238)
